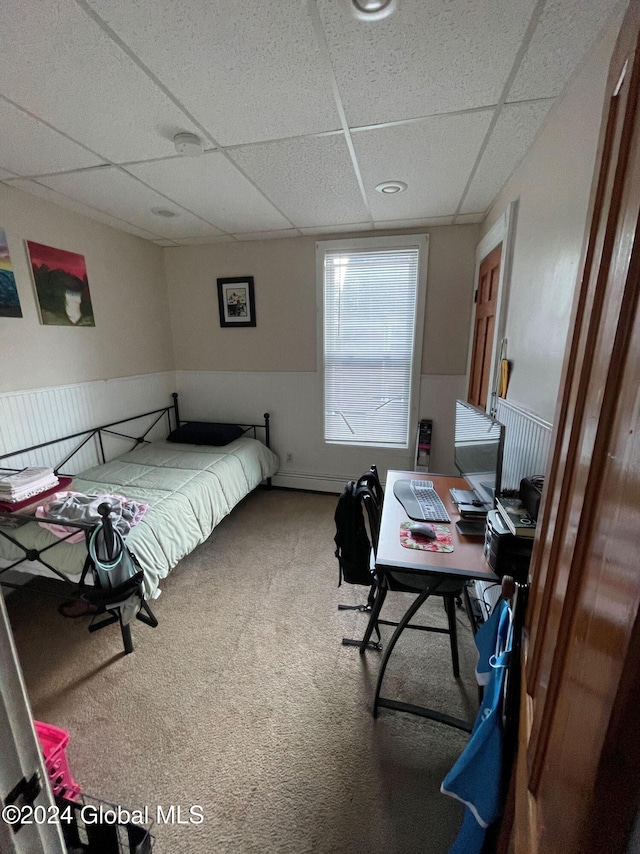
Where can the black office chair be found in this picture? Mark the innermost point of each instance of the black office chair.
(448, 590)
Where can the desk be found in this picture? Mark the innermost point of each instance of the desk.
(465, 562)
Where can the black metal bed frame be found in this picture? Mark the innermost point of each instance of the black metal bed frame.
(81, 591)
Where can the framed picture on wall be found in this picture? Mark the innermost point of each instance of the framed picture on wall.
(62, 286)
(236, 301)
(9, 299)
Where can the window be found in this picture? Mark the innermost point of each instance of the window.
(372, 338)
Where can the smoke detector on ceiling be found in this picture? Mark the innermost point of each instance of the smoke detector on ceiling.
(188, 144)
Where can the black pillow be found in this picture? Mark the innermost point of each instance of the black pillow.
(205, 433)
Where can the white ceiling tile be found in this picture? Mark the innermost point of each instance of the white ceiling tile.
(247, 71)
(434, 157)
(564, 33)
(337, 229)
(212, 187)
(311, 180)
(268, 235)
(116, 193)
(430, 222)
(58, 64)
(37, 189)
(510, 140)
(257, 73)
(425, 58)
(32, 148)
(164, 242)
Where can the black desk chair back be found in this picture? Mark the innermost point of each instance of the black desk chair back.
(370, 495)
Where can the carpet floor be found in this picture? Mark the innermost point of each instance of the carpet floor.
(244, 702)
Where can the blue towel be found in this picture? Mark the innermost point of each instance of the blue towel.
(476, 778)
(489, 641)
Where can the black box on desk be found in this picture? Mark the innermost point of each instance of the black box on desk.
(506, 554)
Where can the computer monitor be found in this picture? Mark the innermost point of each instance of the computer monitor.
(479, 442)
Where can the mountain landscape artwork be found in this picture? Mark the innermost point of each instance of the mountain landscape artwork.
(9, 299)
(62, 286)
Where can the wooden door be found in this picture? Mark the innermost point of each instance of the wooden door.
(577, 777)
(484, 327)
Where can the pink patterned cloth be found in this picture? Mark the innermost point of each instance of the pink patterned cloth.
(77, 507)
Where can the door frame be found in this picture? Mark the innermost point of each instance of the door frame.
(21, 753)
(502, 231)
(584, 602)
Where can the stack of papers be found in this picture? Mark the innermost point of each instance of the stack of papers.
(26, 483)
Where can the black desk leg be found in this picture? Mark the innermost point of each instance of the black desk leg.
(381, 595)
(383, 702)
(450, 608)
(418, 602)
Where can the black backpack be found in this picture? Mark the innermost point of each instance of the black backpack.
(353, 547)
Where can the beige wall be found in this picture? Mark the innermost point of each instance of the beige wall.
(553, 185)
(285, 293)
(241, 373)
(128, 292)
(285, 299)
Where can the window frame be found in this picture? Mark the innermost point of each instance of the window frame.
(409, 241)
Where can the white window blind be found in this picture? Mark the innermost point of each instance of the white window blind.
(370, 302)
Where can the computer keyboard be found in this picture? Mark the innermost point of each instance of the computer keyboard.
(420, 500)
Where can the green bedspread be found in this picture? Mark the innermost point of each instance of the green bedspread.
(189, 488)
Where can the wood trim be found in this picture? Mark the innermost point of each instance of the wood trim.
(618, 782)
(586, 452)
(523, 823)
(502, 231)
(552, 510)
(484, 329)
(577, 779)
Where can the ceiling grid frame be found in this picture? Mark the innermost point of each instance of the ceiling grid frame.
(143, 67)
(224, 223)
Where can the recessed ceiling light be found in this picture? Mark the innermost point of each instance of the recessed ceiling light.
(391, 187)
(372, 10)
(165, 212)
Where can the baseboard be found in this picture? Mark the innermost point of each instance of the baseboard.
(314, 482)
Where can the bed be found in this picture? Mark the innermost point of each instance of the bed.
(190, 488)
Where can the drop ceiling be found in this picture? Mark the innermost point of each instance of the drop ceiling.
(302, 109)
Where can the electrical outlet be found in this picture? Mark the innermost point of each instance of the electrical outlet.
(289, 457)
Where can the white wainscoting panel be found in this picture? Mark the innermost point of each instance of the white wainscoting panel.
(30, 417)
(526, 446)
(294, 401)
